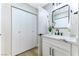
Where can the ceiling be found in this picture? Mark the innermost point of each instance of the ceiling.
(36, 5)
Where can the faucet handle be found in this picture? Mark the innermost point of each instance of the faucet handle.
(61, 33)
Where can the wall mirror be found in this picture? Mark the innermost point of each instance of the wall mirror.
(61, 16)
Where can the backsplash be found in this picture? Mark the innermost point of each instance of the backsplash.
(65, 32)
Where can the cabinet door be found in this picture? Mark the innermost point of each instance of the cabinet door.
(46, 50)
(16, 31)
(54, 51)
(49, 49)
(75, 50)
(60, 52)
(57, 51)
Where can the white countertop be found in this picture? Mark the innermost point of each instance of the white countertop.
(66, 38)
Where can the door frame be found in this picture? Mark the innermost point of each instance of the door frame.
(27, 12)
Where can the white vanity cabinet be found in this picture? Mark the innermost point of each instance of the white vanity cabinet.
(46, 50)
(75, 50)
(54, 47)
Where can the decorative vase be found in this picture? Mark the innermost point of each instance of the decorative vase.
(50, 33)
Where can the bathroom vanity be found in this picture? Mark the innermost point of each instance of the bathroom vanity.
(66, 44)
(54, 45)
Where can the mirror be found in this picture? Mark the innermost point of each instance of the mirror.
(60, 16)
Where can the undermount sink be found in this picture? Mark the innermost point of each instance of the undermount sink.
(63, 38)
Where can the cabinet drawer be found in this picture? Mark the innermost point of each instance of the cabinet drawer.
(58, 43)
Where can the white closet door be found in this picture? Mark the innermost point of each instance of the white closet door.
(0, 29)
(34, 30)
(22, 28)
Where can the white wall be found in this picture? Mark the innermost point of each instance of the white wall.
(74, 25)
(26, 7)
(49, 7)
(6, 25)
(42, 21)
(6, 29)
(42, 27)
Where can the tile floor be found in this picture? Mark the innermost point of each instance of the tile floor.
(31, 52)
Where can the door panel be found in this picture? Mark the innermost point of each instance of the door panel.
(22, 27)
(58, 51)
(46, 49)
(0, 29)
(49, 49)
(34, 30)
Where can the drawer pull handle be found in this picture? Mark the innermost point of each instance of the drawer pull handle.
(50, 51)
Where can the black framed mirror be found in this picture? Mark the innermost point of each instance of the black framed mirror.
(61, 16)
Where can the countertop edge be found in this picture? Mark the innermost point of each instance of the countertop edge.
(72, 42)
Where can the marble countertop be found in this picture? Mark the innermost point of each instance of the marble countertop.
(72, 40)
